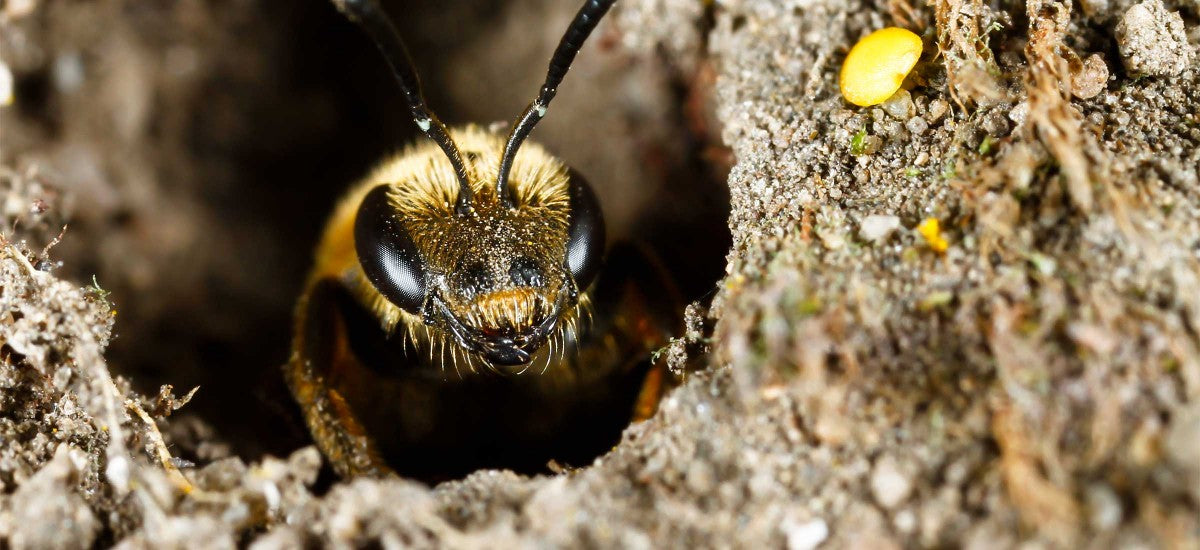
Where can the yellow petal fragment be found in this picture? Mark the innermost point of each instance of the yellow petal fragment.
(877, 65)
(932, 231)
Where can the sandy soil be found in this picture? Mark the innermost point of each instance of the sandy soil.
(848, 384)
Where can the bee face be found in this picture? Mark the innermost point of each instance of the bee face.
(497, 279)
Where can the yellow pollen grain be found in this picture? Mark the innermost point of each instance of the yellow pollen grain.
(878, 64)
(932, 231)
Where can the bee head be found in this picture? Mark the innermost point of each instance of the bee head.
(492, 246)
(497, 276)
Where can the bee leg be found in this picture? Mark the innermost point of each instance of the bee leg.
(320, 350)
(646, 309)
(653, 388)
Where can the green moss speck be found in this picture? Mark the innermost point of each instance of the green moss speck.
(858, 143)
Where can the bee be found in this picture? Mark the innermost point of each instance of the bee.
(457, 316)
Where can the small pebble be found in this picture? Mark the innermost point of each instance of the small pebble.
(1091, 79)
(805, 536)
(871, 144)
(1018, 113)
(937, 109)
(916, 125)
(15, 9)
(1104, 507)
(889, 485)
(900, 105)
(888, 128)
(1152, 40)
(877, 227)
(996, 124)
(905, 521)
(6, 85)
(1094, 7)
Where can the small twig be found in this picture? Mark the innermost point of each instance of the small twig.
(53, 242)
(160, 449)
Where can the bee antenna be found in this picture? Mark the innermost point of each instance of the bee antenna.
(368, 15)
(577, 33)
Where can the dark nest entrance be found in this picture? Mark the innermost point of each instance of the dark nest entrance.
(283, 106)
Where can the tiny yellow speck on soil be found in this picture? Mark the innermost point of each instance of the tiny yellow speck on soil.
(877, 65)
(932, 231)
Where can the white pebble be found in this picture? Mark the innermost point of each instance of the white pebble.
(916, 125)
(117, 472)
(805, 536)
(888, 484)
(6, 85)
(905, 521)
(900, 105)
(876, 227)
(1153, 40)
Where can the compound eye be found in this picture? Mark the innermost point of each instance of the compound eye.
(585, 241)
(387, 253)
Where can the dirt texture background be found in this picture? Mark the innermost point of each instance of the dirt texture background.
(1027, 374)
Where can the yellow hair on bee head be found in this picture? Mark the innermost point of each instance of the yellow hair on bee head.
(424, 182)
